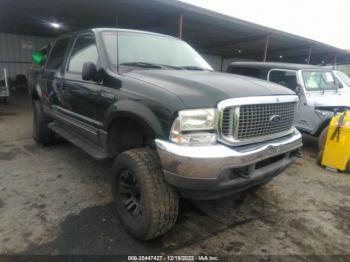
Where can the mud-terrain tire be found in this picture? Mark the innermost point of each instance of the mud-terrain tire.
(348, 167)
(319, 158)
(153, 210)
(322, 139)
(41, 133)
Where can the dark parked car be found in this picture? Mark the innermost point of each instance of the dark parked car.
(174, 126)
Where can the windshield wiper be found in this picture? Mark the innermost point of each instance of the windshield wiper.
(197, 68)
(142, 64)
(159, 66)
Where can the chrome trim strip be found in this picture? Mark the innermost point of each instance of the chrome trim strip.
(71, 121)
(253, 100)
(90, 120)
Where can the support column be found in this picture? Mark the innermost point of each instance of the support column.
(309, 56)
(180, 29)
(267, 42)
(222, 63)
(335, 60)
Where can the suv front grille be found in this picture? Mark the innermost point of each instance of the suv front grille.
(242, 123)
(254, 120)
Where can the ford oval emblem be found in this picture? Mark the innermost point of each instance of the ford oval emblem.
(275, 119)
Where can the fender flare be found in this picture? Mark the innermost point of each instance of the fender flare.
(324, 124)
(134, 110)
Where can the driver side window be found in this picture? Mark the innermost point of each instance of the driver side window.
(284, 78)
(84, 50)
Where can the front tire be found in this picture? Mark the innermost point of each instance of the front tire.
(322, 139)
(147, 205)
(319, 158)
(348, 167)
(41, 133)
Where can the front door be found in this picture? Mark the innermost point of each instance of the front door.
(289, 79)
(81, 96)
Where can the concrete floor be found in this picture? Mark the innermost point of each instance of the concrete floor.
(57, 200)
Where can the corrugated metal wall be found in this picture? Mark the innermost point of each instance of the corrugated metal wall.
(16, 51)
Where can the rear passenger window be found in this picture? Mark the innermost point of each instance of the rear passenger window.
(253, 72)
(84, 50)
(57, 54)
(285, 78)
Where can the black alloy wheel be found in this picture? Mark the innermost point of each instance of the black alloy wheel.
(130, 194)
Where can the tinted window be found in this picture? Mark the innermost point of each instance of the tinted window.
(57, 54)
(151, 48)
(253, 72)
(84, 50)
(285, 78)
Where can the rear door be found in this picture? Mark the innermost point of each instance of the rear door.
(51, 79)
(81, 96)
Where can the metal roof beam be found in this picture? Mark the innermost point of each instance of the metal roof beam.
(236, 42)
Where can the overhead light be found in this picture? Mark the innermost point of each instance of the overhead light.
(55, 25)
(239, 51)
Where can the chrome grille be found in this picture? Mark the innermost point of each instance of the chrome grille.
(226, 125)
(250, 119)
(254, 120)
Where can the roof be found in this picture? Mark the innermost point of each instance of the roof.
(101, 29)
(269, 65)
(207, 31)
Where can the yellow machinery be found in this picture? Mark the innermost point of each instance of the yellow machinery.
(336, 154)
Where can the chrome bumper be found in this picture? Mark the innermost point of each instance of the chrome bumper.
(202, 164)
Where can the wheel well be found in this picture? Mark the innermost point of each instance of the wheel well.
(125, 133)
(323, 126)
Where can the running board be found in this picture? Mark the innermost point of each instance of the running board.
(90, 148)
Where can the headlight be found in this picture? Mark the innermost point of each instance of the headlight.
(189, 126)
(197, 119)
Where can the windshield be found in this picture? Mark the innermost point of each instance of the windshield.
(319, 80)
(152, 51)
(343, 77)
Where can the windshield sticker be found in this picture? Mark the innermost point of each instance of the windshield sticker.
(329, 77)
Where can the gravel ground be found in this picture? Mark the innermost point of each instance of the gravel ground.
(57, 200)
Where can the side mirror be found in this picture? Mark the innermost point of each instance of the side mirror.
(297, 90)
(340, 85)
(89, 71)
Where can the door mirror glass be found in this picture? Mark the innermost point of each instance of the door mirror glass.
(297, 90)
(89, 71)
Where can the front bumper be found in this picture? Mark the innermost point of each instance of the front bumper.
(204, 172)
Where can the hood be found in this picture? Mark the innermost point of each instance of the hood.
(205, 88)
(329, 99)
